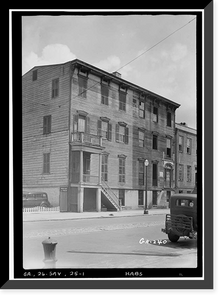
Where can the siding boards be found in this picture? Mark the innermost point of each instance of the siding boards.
(37, 103)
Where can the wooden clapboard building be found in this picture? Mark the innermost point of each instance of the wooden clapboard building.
(86, 135)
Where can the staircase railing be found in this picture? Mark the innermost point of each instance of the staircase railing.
(110, 194)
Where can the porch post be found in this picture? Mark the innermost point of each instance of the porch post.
(100, 163)
(81, 167)
(80, 198)
(98, 200)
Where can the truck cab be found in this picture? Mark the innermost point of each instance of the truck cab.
(182, 220)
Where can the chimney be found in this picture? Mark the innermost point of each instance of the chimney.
(117, 74)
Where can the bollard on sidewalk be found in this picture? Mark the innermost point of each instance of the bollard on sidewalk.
(49, 246)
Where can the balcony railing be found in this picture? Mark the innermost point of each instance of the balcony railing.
(86, 138)
(92, 179)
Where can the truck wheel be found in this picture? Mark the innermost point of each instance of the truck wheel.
(173, 237)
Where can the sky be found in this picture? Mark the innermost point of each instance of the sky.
(111, 41)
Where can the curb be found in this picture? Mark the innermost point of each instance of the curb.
(94, 217)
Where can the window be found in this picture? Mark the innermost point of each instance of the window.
(55, 88)
(181, 173)
(135, 102)
(46, 163)
(122, 197)
(140, 197)
(181, 143)
(104, 129)
(122, 133)
(104, 94)
(141, 109)
(189, 146)
(81, 122)
(46, 124)
(155, 114)
(168, 119)
(34, 75)
(154, 174)
(141, 138)
(141, 173)
(154, 142)
(185, 202)
(189, 172)
(104, 168)
(122, 100)
(82, 86)
(168, 177)
(168, 147)
(121, 169)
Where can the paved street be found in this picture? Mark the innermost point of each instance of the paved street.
(111, 242)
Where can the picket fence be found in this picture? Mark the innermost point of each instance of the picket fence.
(40, 209)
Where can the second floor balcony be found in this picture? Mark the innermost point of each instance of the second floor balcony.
(82, 139)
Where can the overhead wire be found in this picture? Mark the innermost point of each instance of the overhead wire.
(131, 60)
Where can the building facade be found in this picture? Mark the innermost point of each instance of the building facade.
(186, 158)
(86, 135)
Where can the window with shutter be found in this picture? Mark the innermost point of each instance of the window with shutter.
(168, 147)
(109, 132)
(154, 175)
(82, 86)
(104, 94)
(122, 101)
(155, 114)
(121, 169)
(154, 142)
(141, 173)
(168, 119)
(46, 163)
(122, 133)
(47, 124)
(55, 88)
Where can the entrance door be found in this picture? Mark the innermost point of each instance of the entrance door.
(63, 199)
(154, 198)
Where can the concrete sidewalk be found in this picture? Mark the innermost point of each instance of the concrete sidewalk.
(57, 216)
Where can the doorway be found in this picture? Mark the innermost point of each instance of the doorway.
(154, 198)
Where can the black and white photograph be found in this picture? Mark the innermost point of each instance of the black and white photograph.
(111, 159)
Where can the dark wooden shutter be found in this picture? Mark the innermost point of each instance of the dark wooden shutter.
(75, 122)
(126, 135)
(117, 133)
(99, 128)
(109, 132)
(87, 127)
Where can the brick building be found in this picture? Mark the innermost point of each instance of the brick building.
(86, 135)
(186, 158)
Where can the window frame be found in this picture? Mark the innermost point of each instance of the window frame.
(47, 124)
(104, 96)
(122, 100)
(55, 88)
(104, 167)
(141, 141)
(189, 173)
(168, 119)
(121, 171)
(83, 84)
(155, 142)
(181, 172)
(141, 173)
(190, 146)
(155, 115)
(46, 163)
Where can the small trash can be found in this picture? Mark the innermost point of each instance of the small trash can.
(49, 246)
